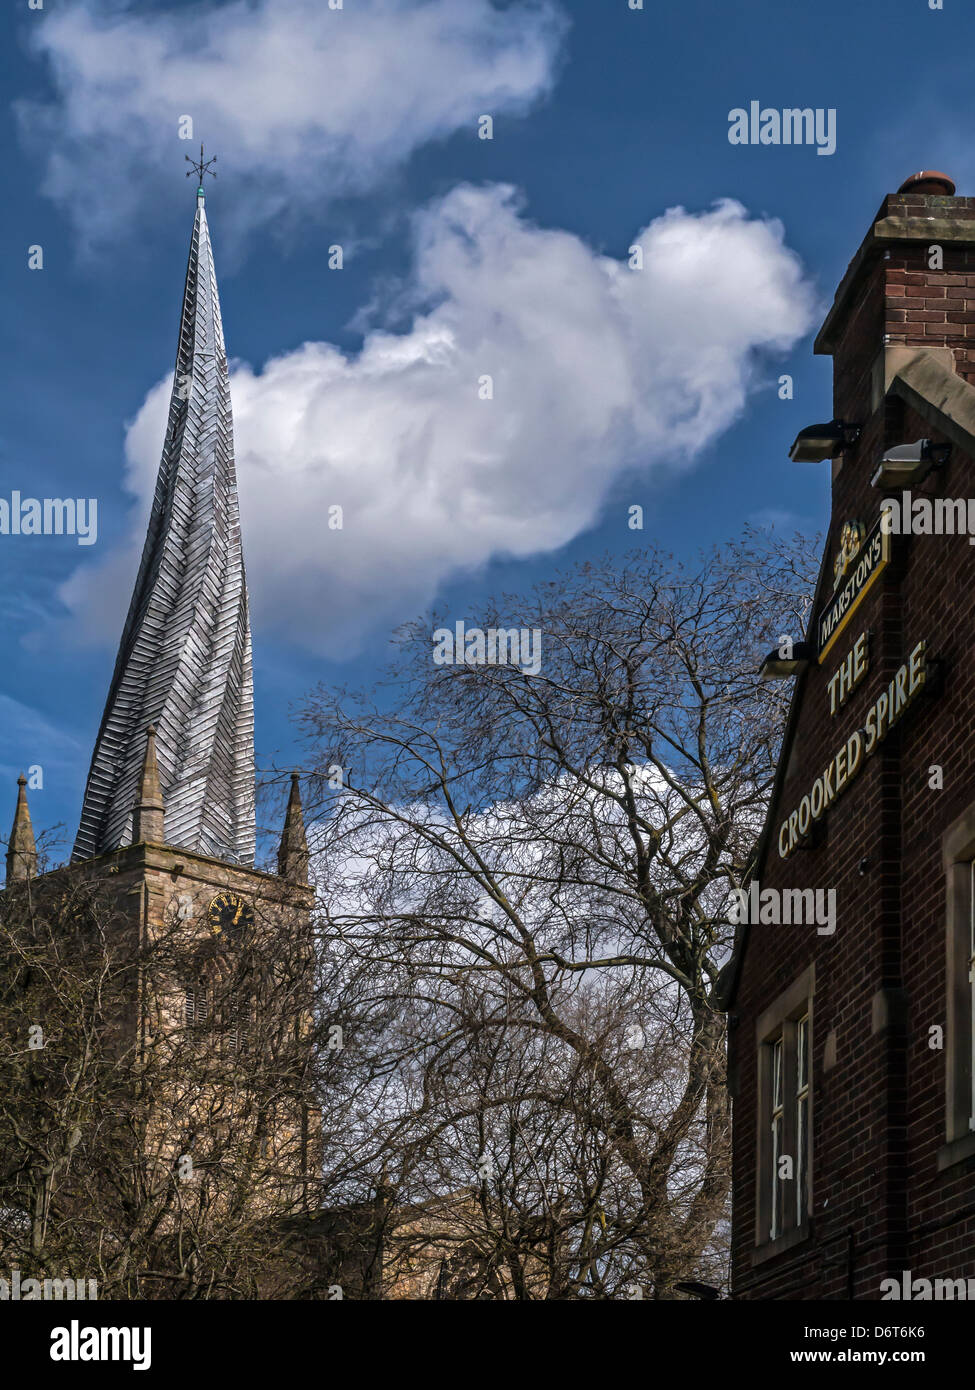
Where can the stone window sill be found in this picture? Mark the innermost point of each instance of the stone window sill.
(781, 1244)
(956, 1151)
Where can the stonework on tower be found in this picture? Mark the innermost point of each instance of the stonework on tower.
(184, 661)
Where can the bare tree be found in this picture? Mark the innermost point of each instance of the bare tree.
(523, 871)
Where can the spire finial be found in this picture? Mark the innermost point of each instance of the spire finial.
(21, 848)
(199, 167)
(293, 851)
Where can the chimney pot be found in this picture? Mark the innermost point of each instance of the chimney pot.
(929, 181)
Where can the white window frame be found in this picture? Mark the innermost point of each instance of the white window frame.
(958, 856)
(803, 1112)
(777, 1125)
(782, 1215)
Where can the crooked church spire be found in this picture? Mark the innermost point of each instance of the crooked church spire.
(184, 661)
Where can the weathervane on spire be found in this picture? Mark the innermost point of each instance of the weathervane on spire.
(199, 167)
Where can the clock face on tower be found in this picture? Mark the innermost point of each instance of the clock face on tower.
(229, 913)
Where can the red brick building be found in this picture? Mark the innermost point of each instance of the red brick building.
(851, 1038)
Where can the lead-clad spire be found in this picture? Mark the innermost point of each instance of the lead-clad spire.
(184, 662)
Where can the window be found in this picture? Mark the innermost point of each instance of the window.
(778, 1139)
(211, 1004)
(971, 995)
(197, 1009)
(784, 1167)
(958, 847)
(788, 1151)
(238, 1022)
(802, 1119)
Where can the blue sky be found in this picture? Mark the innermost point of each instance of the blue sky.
(459, 253)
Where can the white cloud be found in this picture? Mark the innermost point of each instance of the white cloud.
(303, 102)
(597, 369)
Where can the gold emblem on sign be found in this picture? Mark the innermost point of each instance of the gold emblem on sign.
(851, 538)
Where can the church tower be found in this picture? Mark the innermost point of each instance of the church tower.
(167, 832)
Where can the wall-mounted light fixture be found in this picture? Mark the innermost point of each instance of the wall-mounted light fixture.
(909, 464)
(818, 442)
(777, 667)
(698, 1290)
